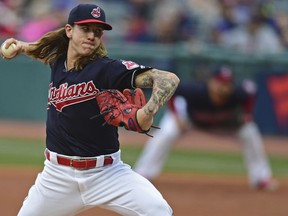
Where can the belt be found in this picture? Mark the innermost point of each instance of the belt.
(81, 163)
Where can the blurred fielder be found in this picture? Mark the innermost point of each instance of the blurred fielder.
(216, 103)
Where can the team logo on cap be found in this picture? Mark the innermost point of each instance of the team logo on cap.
(96, 12)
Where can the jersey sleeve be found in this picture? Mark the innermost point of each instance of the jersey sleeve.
(121, 74)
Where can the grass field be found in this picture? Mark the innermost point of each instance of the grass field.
(29, 152)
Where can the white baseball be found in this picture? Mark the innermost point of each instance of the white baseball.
(10, 51)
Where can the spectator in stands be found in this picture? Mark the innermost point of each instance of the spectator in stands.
(173, 22)
(161, 21)
(10, 19)
(231, 15)
(204, 12)
(137, 24)
(255, 37)
(281, 21)
(44, 17)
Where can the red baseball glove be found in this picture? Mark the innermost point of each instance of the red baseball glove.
(120, 109)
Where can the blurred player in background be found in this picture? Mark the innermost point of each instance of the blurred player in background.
(216, 103)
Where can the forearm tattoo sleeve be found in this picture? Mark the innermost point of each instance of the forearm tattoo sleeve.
(163, 86)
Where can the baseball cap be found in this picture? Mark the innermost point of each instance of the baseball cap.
(88, 13)
(223, 74)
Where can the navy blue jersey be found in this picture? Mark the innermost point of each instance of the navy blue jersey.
(71, 104)
(202, 111)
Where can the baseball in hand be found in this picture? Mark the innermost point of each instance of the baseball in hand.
(10, 51)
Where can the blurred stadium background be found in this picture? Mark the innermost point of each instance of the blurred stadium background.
(188, 37)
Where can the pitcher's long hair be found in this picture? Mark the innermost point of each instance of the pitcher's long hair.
(54, 44)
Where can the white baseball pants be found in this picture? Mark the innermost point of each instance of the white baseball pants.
(64, 191)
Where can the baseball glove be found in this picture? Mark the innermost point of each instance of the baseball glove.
(120, 109)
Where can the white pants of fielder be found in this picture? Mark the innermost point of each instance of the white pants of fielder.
(64, 191)
(156, 150)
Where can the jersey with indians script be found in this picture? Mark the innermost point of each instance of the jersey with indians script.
(71, 104)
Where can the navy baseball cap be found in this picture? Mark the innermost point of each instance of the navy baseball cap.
(88, 13)
(223, 74)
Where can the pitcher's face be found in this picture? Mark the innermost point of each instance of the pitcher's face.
(84, 38)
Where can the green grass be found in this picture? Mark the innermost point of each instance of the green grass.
(25, 152)
(21, 152)
(207, 162)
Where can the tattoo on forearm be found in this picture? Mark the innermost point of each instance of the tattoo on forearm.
(146, 81)
(164, 86)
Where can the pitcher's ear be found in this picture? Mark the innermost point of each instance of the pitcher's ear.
(69, 30)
